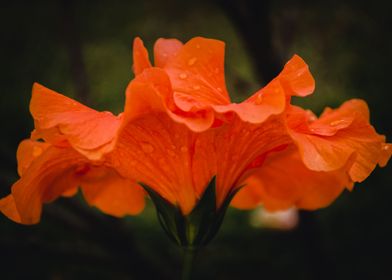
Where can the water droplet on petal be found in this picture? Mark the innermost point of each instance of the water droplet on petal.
(259, 99)
(37, 151)
(219, 89)
(171, 152)
(245, 132)
(183, 76)
(197, 46)
(192, 61)
(147, 148)
(386, 147)
(336, 123)
(197, 87)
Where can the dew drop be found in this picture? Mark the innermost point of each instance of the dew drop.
(245, 132)
(386, 147)
(183, 76)
(147, 148)
(171, 152)
(37, 151)
(192, 61)
(219, 89)
(197, 46)
(197, 87)
(335, 123)
(259, 99)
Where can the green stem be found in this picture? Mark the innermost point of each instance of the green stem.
(189, 256)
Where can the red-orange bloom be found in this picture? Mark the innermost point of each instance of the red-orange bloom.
(331, 153)
(177, 162)
(179, 129)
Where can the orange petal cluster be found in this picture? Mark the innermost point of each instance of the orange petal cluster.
(179, 129)
(65, 153)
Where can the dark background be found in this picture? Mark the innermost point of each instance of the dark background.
(83, 49)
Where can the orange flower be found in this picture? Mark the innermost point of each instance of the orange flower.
(179, 130)
(177, 162)
(333, 152)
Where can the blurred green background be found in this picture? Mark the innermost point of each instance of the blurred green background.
(83, 49)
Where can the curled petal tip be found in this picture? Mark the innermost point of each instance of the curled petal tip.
(386, 152)
(297, 78)
(8, 208)
(140, 56)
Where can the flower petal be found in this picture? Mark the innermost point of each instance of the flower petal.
(271, 100)
(59, 118)
(385, 154)
(328, 143)
(47, 177)
(296, 77)
(165, 50)
(198, 71)
(148, 92)
(158, 152)
(241, 147)
(59, 172)
(111, 193)
(284, 181)
(29, 150)
(8, 208)
(151, 92)
(140, 57)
